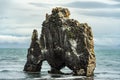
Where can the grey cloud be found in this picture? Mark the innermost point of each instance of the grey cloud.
(112, 14)
(4, 5)
(17, 30)
(80, 4)
(3, 17)
(116, 6)
(91, 5)
(116, 0)
(39, 4)
(14, 41)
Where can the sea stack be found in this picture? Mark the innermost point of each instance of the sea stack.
(34, 56)
(64, 42)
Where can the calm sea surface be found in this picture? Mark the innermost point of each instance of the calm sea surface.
(12, 62)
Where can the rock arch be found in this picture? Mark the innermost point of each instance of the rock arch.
(63, 42)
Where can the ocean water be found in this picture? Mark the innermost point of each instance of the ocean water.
(13, 60)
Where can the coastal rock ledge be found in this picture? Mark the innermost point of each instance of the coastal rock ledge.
(63, 42)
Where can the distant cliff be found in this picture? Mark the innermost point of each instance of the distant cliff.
(63, 42)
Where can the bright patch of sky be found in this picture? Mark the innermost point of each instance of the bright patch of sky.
(19, 17)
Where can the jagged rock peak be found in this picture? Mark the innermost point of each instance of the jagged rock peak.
(34, 39)
(61, 12)
(35, 35)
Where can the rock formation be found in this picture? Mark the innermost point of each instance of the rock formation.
(63, 42)
(34, 57)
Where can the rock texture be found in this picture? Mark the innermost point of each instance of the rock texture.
(64, 42)
(34, 57)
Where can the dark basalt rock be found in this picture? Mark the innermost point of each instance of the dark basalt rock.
(64, 42)
(34, 57)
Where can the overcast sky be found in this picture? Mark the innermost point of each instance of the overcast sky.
(19, 17)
